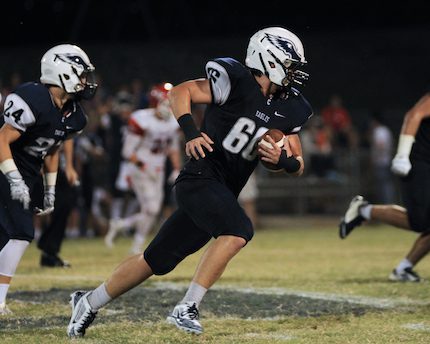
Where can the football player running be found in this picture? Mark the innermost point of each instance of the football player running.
(243, 102)
(412, 164)
(151, 137)
(38, 117)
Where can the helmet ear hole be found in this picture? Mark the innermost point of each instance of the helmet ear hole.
(66, 76)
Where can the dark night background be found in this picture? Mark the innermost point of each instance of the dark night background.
(375, 54)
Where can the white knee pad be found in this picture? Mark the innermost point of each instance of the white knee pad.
(10, 255)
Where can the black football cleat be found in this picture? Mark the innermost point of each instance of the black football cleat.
(53, 261)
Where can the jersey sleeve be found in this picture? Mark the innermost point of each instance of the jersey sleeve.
(223, 74)
(17, 113)
(303, 112)
(137, 123)
(219, 81)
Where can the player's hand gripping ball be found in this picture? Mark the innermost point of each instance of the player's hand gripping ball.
(277, 136)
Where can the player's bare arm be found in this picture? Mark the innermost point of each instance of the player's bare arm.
(181, 97)
(415, 115)
(8, 134)
(129, 148)
(51, 162)
(50, 170)
(292, 143)
(71, 174)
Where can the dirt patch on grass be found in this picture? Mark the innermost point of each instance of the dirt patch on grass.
(153, 304)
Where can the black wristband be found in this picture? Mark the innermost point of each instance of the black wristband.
(188, 126)
(289, 164)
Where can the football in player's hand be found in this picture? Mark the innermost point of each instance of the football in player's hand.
(277, 136)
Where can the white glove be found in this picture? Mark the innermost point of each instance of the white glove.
(401, 165)
(172, 178)
(48, 202)
(19, 191)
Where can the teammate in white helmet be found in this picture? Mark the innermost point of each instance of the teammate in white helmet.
(38, 117)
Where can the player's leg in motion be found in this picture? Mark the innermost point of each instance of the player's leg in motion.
(185, 315)
(177, 238)
(149, 192)
(360, 210)
(219, 205)
(396, 216)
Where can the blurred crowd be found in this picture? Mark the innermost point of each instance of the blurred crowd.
(328, 137)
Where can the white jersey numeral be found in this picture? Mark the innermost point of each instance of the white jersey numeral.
(41, 147)
(242, 137)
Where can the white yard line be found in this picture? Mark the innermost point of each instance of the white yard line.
(353, 299)
(63, 277)
(417, 327)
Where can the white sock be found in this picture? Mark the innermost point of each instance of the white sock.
(3, 292)
(99, 297)
(195, 293)
(366, 211)
(10, 255)
(404, 264)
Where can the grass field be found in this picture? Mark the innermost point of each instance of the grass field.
(298, 284)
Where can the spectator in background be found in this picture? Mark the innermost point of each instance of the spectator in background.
(115, 125)
(67, 194)
(337, 118)
(317, 141)
(381, 151)
(88, 148)
(140, 98)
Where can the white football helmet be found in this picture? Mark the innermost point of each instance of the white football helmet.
(69, 67)
(277, 53)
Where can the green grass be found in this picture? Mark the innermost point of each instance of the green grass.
(304, 256)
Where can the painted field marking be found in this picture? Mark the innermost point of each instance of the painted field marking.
(417, 327)
(353, 299)
(375, 302)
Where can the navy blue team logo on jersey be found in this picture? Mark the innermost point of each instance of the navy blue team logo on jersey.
(72, 59)
(285, 45)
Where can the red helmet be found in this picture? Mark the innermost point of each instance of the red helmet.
(158, 93)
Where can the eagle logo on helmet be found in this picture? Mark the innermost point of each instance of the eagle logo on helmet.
(284, 45)
(74, 60)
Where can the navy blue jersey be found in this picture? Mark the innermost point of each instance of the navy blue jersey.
(31, 110)
(238, 116)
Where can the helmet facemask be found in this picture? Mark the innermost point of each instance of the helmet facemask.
(88, 85)
(81, 80)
